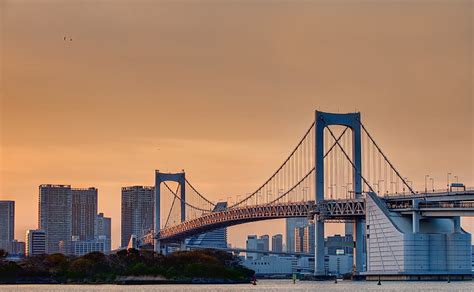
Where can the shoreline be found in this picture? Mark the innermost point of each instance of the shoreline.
(197, 281)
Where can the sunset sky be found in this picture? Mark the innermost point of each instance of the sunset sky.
(224, 90)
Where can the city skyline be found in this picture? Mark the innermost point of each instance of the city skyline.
(234, 98)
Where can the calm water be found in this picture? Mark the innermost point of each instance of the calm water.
(263, 285)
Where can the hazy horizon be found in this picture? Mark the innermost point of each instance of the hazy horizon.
(224, 91)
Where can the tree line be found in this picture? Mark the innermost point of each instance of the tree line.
(97, 267)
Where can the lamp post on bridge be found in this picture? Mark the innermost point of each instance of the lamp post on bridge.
(393, 183)
(447, 181)
(378, 185)
(304, 190)
(332, 190)
(426, 182)
(348, 189)
(432, 183)
(409, 182)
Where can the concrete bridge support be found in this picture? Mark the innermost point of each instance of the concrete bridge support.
(322, 121)
(163, 177)
(401, 246)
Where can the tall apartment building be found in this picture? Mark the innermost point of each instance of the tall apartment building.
(137, 211)
(258, 244)
(35, 242)
(264, 242)
(7, 224)
(277, 243)
(55, 217)
(299, 239)
(103, 230)
(304, 239)
(308, 239)
(84, 213)
(252, 244)
(291, 224)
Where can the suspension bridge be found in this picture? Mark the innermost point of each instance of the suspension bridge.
(336, 173)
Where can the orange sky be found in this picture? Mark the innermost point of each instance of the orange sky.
(224, 90)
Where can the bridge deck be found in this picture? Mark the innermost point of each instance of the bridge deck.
(435, 204)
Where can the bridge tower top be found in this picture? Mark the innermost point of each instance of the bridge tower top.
(351, 120)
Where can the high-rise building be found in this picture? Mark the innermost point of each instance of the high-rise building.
(55, 217)
(35, 242)
(137, 211)
(103, 230)
(308, 239)
(291, 224)
(257, 244)
(252, 244)
(7, 224)
(216, 238)
(84, 212)
(299, 239)
(277, 243)
(265, 242)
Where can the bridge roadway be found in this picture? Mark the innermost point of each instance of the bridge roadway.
(284, 253)
(434, 204)
(239, 250)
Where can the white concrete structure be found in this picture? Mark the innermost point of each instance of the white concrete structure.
(406, 247)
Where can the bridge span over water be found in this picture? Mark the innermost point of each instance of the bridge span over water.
(338, 173)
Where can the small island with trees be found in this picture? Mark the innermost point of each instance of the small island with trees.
(126, 267)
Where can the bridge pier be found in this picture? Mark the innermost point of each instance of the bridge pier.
(359, 238)
(319, 252)
(415, 216)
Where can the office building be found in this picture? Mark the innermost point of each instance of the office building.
(213, 239)
(252, 244)
(103, 231)
(82, 247)
(35, 242)
(17, 248)
(337, 245)
(277, 243)
(7, 224)
(55, 217)
(137, 211)
(255, 243)
(264, 243)
(291, 224)
(84, 212)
